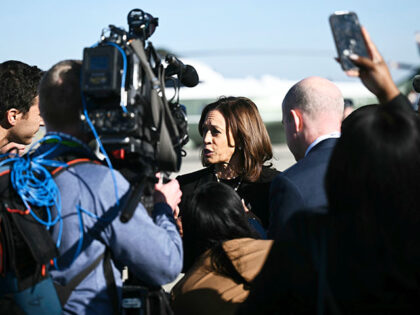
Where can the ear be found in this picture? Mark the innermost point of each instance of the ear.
(12, 116)
(297, 118)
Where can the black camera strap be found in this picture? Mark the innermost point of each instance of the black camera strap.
(162, 118)
(65, 291)
(110, 281)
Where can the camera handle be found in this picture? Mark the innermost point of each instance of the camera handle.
(134, 195)
(140, 191)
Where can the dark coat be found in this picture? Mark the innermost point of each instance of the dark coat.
(343, 263)
(255, 194)
(362, 271)
(300, 186)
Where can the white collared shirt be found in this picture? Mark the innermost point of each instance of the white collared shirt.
(335, 134)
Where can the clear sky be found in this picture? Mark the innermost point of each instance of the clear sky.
(294, 34)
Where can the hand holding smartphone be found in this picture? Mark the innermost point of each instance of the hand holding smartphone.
(351, 39)
(348, 38)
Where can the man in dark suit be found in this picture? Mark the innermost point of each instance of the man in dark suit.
(312, 114)
(282, 287)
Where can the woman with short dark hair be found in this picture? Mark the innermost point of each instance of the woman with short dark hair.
(222, 253)
(236, 147)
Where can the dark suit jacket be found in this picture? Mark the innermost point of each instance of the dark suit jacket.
(300, 186)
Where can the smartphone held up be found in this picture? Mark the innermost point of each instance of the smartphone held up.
(348, 37)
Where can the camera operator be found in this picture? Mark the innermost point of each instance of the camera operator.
(150, 247)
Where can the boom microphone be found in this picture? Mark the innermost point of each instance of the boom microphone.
(416, 83)
(186, 73)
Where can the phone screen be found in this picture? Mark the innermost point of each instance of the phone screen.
(348, 37)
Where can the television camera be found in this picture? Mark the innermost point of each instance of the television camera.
(123, 85)
(123, 82)
(142, 132)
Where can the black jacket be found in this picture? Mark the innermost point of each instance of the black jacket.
(357, 270)
(255, 194)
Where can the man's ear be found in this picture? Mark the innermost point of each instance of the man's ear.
(12, 116)
(297, 118)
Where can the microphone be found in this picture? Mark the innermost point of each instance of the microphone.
(186, 73)
(416, 83)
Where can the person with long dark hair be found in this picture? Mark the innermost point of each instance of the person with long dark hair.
(222, 253)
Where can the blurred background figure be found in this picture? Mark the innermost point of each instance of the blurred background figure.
(348, 107)
(223, 253)
(415, 96)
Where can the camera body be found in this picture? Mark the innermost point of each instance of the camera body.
(123, 85)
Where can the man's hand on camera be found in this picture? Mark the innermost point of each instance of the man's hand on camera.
(374, 73)
(169, 193)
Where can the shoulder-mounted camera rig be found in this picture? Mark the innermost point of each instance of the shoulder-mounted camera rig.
(123, 83)
(123, 87)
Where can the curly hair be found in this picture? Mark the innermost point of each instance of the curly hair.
(18, 86)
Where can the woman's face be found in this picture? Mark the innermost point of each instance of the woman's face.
(216, 148)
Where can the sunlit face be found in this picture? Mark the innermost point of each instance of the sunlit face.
(216, 148)
(27, 125)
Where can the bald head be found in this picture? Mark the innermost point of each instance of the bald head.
(315, 95)
(59, 97)
(313, 107)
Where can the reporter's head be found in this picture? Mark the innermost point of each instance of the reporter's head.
(60, 100)
(375, 167)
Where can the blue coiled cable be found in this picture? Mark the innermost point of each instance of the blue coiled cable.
(98, 140)
(36, 187)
